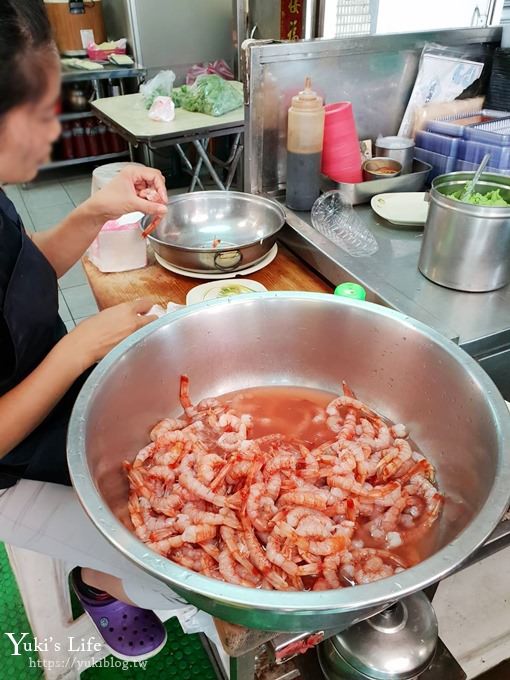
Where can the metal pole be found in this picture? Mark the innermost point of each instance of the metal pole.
(321, 14)
(189, 167)
(203, 155)
(240, 14)
(243, 667)
(196, 174)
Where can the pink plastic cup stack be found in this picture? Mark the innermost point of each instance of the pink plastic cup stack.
(341, 157)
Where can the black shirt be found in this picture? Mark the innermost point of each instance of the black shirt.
(10, 245)
(29, 329)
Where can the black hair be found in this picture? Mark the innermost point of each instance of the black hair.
(25, 43)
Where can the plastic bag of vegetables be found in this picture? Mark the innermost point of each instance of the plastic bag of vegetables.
(160, 86)
(210, 94)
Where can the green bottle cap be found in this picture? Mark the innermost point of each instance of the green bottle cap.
(351, 290)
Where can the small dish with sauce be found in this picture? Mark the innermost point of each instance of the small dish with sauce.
(380, 168)
(223, 288)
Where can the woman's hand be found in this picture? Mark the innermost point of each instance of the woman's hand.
(135, 189)
(93, 338)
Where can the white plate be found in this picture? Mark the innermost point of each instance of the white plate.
(216, 277)
(220, 289)
(404, 209)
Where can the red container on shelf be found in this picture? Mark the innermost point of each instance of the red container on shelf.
(103, 137)
(79, 140)
(92, 137)
(116, 142)
(66, 142)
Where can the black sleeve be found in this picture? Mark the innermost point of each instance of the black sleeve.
(10, 245)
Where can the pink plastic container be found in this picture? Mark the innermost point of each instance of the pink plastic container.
(119, 246)
(341, 157)
(102, 55)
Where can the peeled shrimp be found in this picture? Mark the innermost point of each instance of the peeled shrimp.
(399, 454)
(277, 511)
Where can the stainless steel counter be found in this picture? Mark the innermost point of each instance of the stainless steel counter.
(478, 321)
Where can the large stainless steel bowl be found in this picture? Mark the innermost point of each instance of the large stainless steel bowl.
(399, 366)
(246, 226)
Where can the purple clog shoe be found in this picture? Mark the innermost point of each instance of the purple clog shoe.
(131, 633)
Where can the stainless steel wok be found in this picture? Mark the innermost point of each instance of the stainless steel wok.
(399, 366)
(245, 225)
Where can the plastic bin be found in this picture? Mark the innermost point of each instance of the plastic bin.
(473, 152)
(497, 132)
(102, 55)
(443, 144)
(454, 128)
(440, 163)
(465, 166)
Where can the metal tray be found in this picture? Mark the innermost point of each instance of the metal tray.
(362, 192)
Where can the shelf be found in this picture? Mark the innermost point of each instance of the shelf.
(76, 116)
(72, 75)
(87, 159)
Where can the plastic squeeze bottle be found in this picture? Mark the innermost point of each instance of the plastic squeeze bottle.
(304, 148)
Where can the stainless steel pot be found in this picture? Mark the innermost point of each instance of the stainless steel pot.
(400, 149)
(246, 226)
(397, 644)
(397, 365)
(466, 247)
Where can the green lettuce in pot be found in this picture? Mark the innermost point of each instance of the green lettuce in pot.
(492, 199)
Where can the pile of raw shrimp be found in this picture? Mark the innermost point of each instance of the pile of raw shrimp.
(274, 512)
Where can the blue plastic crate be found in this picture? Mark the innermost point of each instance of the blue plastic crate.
(438, 143)
(496, 133)
(465, 166)
(473, 152)
(450, 126)
(440, 164)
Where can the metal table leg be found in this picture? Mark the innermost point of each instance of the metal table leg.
(198, 167)
(233, 165)
(205, 158)
(189, 168)
(232, 161)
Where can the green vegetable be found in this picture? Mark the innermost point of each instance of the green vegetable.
(233, 289)
(178, 94)
(210, 94)
(492, 198)
(158, 92)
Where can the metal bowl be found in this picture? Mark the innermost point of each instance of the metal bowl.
(372, 168)
(399, 366)
(246, 226)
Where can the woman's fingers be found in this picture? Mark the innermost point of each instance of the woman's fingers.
(147, 319)
(159, 183)
(142, 306)
(148, 207)
(150, 178)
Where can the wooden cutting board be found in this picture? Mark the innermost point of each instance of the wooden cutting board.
(286, 272)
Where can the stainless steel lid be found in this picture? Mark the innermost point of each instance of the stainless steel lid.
(396, 644)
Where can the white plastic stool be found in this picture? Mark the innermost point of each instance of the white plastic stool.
(44, 588)
(43, 584)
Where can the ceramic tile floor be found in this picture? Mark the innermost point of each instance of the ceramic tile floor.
(42, 205)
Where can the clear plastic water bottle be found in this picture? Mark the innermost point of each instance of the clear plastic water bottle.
(337, 220)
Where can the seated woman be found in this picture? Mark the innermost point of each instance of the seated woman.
(41, 366)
